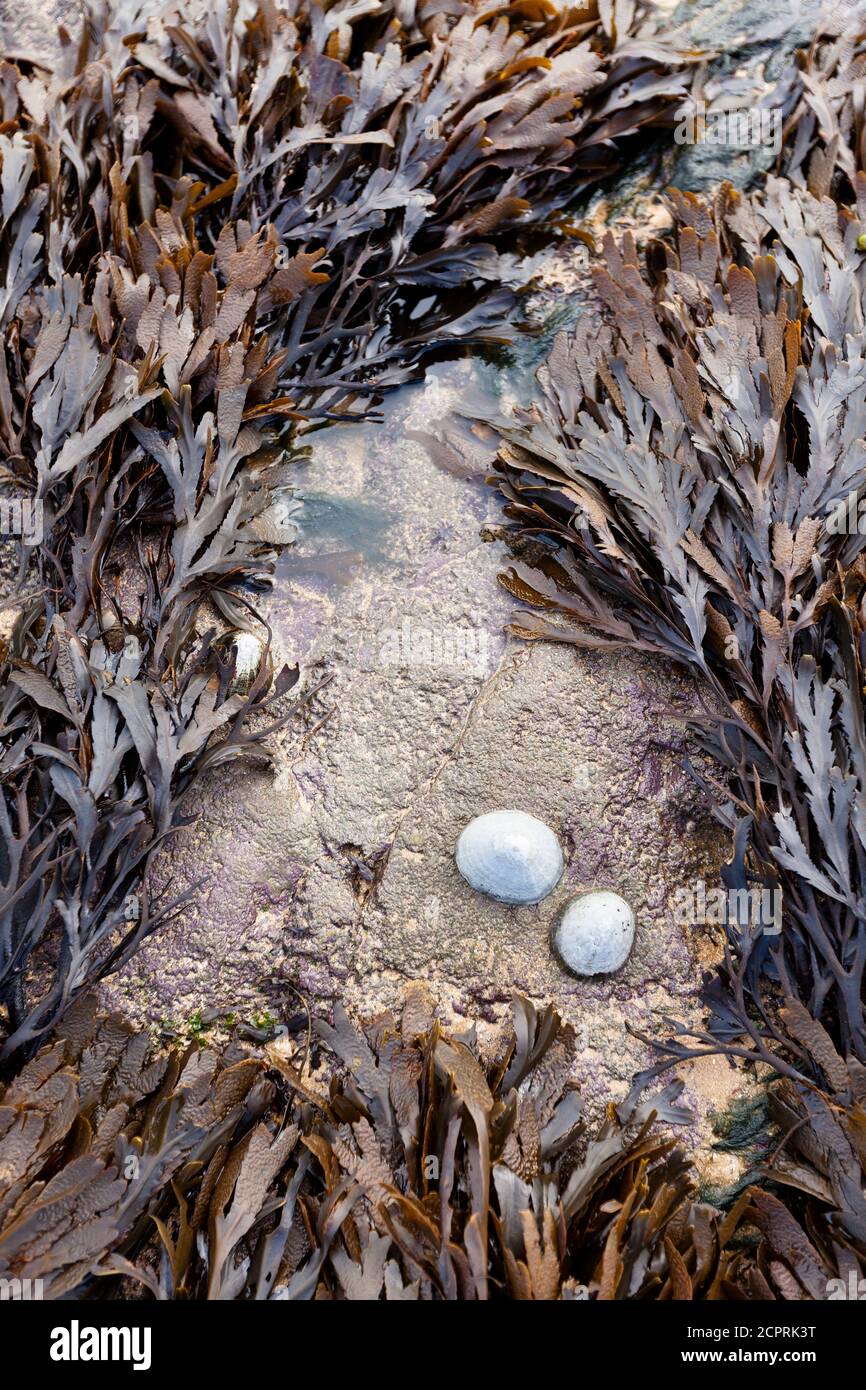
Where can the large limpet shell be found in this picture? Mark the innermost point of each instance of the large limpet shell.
(595, 933)
(510, 856)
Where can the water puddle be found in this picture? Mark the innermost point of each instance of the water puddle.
(387, 505)
(338, 534)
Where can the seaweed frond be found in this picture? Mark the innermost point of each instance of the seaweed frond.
(694, 461)
(411, 1166)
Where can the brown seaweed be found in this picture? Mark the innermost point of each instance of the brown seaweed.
(414, 1167)
(411, 1165)
(695, 468)
(687, 459)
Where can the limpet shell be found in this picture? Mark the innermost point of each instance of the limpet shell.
(595, 933)
(248, 656)
(510, 856)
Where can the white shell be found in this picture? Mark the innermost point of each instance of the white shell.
(595, 933)
(248, 653)
(510, 856)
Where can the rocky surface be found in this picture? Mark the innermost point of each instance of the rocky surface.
(333, 876)
(33, 29)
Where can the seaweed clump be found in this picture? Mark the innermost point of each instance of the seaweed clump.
(690, 456)
(697, 470)
(413, 1165)
(222, 224)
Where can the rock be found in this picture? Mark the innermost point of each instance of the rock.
(595, 934)
(402, 755)
(510, 856)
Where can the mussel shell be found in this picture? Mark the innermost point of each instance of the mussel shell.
(595, 933)
(510, 856)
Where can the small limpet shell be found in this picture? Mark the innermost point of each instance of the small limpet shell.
(595, 933)
(510, 856)
(248, 656)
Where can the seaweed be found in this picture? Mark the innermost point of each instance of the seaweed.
(414, 1166)
(219, 233)
(220, 227)
(694, 470)
(688, 459)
